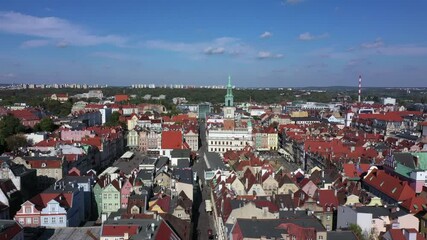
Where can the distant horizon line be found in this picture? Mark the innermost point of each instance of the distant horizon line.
(205, 86)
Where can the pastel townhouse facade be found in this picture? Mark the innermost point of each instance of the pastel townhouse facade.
(98, 188)
(125, 192)
(62, 205)
(111, 198)
(133, 139)
(269, 184)
(143, 141)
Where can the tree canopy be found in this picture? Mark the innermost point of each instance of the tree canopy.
(114, 120)
(9, 125)
(45, 125)
(16, 141)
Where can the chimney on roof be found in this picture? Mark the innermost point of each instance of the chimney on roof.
(416, 161)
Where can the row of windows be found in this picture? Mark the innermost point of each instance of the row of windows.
(109, 196)
(109, 206)
(35, 221)
(223, 143)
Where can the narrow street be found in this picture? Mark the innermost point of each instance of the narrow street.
(202, 220)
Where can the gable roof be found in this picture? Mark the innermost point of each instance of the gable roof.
(389, 185)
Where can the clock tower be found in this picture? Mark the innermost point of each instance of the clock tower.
(229, 107)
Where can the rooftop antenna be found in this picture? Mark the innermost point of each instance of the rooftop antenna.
(360, 89)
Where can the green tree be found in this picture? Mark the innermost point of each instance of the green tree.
(9, 125)
(45, 125)
(16, 141)
(114, 120)
(357, 230)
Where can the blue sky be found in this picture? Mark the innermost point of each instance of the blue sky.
(258, 42)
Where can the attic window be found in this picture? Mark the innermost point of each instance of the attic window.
(415, 206)
(370, 179)
(394, 190)
(382, 183)
(43, 164)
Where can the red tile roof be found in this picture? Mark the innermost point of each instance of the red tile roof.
(119, 230)
(25, 114)
(327, 198)
(165, 232)
(355, 170)
(121, 98)
(273, 208)
(171, 140)
(41, 162)
(162, 201)
(415, 204)
(40, 200)
(389, 185)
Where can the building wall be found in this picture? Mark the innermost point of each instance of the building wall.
(221, 140)
(346, 216)
(238, 187)
(286, 188)
(53, 215)
(409, 221)
(187, 188)
(97, 192)
(75, 135)
(270, 185)
(249, 211)
(273, 141)
(28, 216)
(110, 199)
(132, 139)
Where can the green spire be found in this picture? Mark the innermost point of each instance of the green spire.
(229, 98)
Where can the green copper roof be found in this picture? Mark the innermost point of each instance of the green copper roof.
(403, 170)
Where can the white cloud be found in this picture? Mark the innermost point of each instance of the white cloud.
(35, 43)
(111, 55)
(214, 50)
(266, 35)
(223, 45)
(53, 28)
(376, 44)
(266, 55)
(62, 44)
(308, 36)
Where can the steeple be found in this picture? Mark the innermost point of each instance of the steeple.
(229, 98)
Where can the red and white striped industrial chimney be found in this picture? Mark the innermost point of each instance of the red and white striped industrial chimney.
(360, 89)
